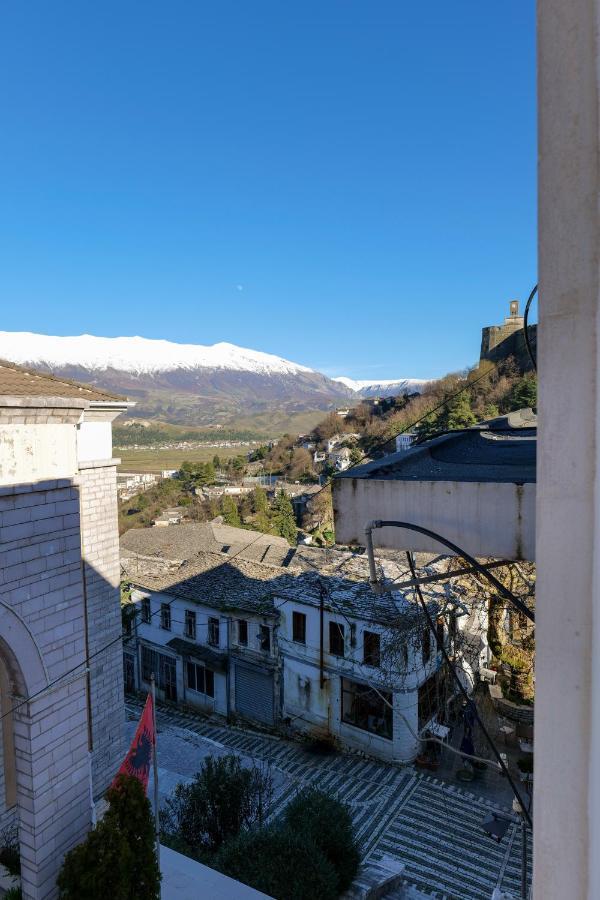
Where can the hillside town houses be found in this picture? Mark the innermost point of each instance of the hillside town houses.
(295, 638)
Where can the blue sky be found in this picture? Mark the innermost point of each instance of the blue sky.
(347, 184)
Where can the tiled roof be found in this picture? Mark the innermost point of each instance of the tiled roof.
(238, 584)
(16, 381)
(184, 542)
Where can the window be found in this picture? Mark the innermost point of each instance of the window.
(367, 709)
(371, 649)
(440, 633)
(146, 612)
(264, 638)
(213, 632)
(165, 616)
(242, 632)
(299, 627)
(200, 679)
(164, 669)
(336, 638)
(190, 624)
(426, 646)
(428, 700)
(149, 663)
(352, 635)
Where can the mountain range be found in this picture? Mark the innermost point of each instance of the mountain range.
(189, 383)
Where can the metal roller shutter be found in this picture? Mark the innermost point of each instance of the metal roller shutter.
(254, 694)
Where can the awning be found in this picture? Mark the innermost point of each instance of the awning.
(214, 660)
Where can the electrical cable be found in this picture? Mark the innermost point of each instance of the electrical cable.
(451, 668)
(526, 328)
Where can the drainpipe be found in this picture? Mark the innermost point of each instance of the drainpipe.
(373, 579)
(321, 612)
(228, 668)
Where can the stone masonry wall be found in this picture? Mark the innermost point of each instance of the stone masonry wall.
(41, 642)
(100, 547)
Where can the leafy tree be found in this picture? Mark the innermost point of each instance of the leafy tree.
(117, 858)
(280, 863)
(327, 822)
(230, 511)
(130, 811)
(355, 456)
(224, 798)
(283, 518)
(524, 392)
(216, 461)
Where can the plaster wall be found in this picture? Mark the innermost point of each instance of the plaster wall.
(35, 452)
(496, 520)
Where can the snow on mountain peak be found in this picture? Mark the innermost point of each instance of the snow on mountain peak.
(137, 355)
(379, 386)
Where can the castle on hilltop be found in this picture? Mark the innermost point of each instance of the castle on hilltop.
(498, 342)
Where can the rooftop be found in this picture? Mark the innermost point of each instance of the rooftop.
(16, 381)
(500, 450)
(237, 584)
(185, 542)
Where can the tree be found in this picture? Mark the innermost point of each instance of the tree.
(328, 823)
(283, 518)
(216, 461)
(118, 858)
(459, 413)
(524, 393)
(279, 863)
(224, 798)
(260, 508)
(230, 511)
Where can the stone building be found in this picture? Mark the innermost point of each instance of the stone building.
(59, 609)
(498, 342)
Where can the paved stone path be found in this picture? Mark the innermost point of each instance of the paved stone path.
(431, 826)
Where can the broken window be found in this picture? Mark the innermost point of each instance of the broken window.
(336, 639)
(367, 709)
(371, 649)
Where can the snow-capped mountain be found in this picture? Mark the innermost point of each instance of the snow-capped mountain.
(381, 388)
(180, 383)
(136, 355)
(191, 383)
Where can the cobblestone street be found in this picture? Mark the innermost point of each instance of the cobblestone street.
(431, 826)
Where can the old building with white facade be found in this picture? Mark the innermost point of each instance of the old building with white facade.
(302, 642)
(60, 654)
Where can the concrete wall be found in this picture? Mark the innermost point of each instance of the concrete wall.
(496, 520)
(567, 729)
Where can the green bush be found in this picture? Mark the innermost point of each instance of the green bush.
(279, 863)
(117, 859)
(328, 824)
(13, 893)
(224, 798)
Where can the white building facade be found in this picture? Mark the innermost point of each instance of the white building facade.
(61, 691)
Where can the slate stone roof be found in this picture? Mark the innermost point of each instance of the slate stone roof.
(233, 585)
(184, 542)
(502, 450)
(16, 381)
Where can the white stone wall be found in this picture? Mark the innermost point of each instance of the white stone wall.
(100, 547)
(41, 640)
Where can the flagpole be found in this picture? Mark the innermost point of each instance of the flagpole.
(155, 766)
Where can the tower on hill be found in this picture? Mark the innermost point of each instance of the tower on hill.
(498, 342)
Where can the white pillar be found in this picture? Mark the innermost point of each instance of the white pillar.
(567, 713)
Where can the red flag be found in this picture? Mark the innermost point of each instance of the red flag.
(137, 762)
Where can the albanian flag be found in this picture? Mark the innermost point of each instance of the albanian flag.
(137, 762)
